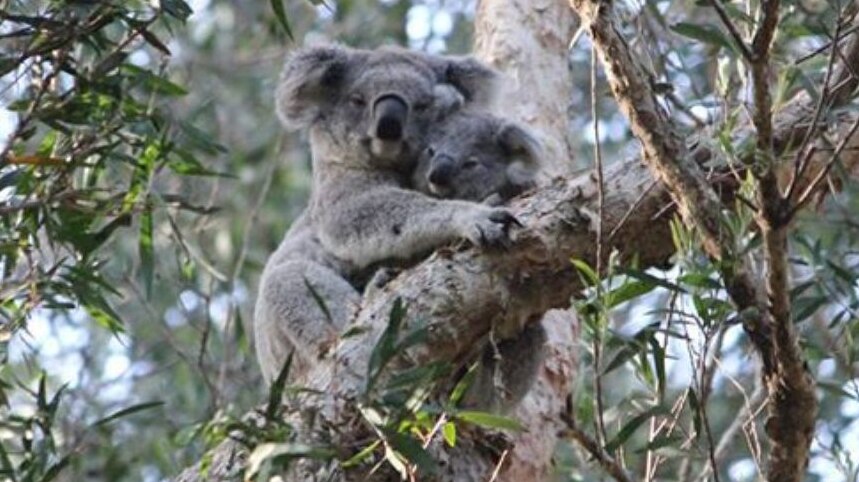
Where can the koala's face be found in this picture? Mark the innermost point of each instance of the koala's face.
(386, 110)
(477, 156)
(375, 107)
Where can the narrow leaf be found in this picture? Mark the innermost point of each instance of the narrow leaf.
(127, 411)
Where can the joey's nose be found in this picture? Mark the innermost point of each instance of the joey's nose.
(442, 170)
(389, 114)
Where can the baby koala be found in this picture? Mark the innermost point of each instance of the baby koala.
(478, 156)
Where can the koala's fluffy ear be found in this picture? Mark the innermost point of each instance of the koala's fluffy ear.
(517, 141)
(525, 152)
(309, 82)
(477, 82)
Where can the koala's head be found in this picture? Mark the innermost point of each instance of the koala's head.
(376, 105)
(477, 156)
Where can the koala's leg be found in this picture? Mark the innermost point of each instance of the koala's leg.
(302, 306)
(507, 371)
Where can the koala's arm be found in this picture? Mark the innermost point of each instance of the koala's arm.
(387, 222)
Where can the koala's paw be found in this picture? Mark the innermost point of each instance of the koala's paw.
(490, 227)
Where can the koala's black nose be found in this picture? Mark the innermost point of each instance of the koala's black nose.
(442, 170)
(389, 113)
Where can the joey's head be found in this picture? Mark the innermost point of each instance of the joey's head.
(476, 156)
(374, 107)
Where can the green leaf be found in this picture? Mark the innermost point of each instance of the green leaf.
(8, 64)
(462, 385)
(319, 301)
(280, 13)
(806, 306)
(415, 376)
(448, 432)
(630, 427)
(649, 278)
(360, 456)
(705, 33)
(275, 394)
(628, 291)
(154, 41)
(127, 411)
(490, 420)
(835, 388)
(177, 8)
(385, 349)
(412, 450)
(695, 406)
(624, 355)
(589, 275)
(699, 280)
(145, 247)
(55, 469)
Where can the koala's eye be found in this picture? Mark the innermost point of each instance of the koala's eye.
(430, 151)
(471, 163)
(357, 101)
(422, 105)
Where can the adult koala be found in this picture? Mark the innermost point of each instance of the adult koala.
(367, 114)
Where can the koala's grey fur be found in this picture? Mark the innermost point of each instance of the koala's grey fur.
(288, 317)
(477, 156)
(360, 212)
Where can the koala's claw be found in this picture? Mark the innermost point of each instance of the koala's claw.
(492, 229)
(502, 216)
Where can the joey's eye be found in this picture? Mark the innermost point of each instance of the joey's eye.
(471, 163)
(357, 101)
(430, 151)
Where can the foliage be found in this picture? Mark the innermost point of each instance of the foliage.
(140, 196)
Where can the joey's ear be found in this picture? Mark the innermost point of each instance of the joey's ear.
(524, 151)
(478, 83)
(447, 99)
(518, 143)
(309, 82)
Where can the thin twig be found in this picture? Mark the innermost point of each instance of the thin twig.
(810, 189)
(732, 29)
(598, 338)
(799, 164)
(594, 449)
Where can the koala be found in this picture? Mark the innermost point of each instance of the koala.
(367, 113)
(477, 156)
(304, 299)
